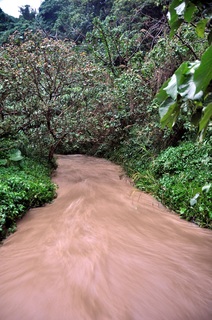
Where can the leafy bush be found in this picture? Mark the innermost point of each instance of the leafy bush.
(180, 177)
(135, 154)
(22, 187)
(184, 176)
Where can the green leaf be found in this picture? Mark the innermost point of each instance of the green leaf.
(182, 82)
(16, 156)
(169, 111)
(176, 8)
(207, 115)
(171, 88)
(189, 11)
(164, 108)
(200, 28)
(203, 74)
(162, 94)
(187, 86)
(3, 162)
(210, 38)
(174, 26)
(188, 90)
(181, 73)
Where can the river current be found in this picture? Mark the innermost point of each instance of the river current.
(102, 250)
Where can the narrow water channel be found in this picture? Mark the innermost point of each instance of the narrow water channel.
(104, 251)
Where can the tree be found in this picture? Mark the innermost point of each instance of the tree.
(7, 26)
(49, 12)
(36, 76)
(131, 27)
(54, 96)
(71, 19)
(27, 12)
(6, 22)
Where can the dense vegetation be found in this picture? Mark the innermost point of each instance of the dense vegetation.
(82, 77)
(180, 177)
(25, 183)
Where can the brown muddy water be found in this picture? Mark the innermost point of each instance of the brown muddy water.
(104, 251)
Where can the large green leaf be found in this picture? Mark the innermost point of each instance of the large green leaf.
(162, 94)
(207, 115)
(188, 13)
(186, 84)
(210, 38)
(181, 83)
(182, 73)
(200, 27)
(203, 74)
(188, 90)
(179, 11)
(169, 111)
(174, 26)
(175, 15)
(171, 88)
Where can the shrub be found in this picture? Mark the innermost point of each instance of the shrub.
(180, 177)
(22, 187)
(184, 175)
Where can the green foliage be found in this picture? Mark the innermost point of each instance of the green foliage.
(10, 153)
(184, 87)
(14, 156)
(167, 55)
(59, 19)
(181, 11)
(68, 102)
(22, 188)
(183, 174)
(132, 28)
(49, 13)
(136, 154)
(47, 72)
(27, 12)
(7, 26)
(71, 19)
(147, 17)
(180, 177)
(108, 44)
(190, 86)
(6, 22)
